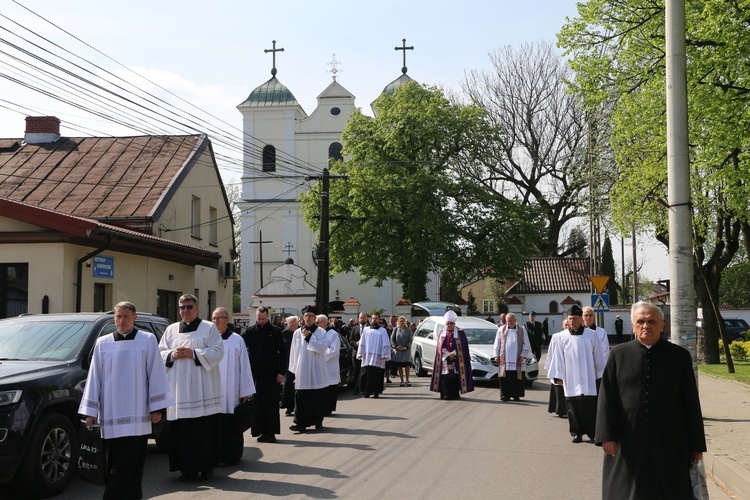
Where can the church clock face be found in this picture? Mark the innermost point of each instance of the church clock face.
(335, 111)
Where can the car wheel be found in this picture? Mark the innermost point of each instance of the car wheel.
(51, 455)
(418, 368)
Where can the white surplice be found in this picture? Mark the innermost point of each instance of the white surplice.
(603, 342)
(196, 387)
(236, 376)
(125, 383)
(577, 360)
(333, 342)
(511, 346)
(307, 360)
(374, 347)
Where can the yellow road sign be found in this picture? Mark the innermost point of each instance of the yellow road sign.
(599, 282)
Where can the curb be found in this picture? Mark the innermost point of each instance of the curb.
(729, 473)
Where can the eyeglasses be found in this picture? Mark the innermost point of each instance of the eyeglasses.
(187, 306)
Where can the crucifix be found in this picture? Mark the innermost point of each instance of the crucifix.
(260, 242)
(404, 48)
(273, 53)
(334, 67)
(289, 248)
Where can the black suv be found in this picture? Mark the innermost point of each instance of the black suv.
(44, 360)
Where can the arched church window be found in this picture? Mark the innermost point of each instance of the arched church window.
(334, 151)
(269, 159)
(554, 307)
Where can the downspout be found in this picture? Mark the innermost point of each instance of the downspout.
(79, 270)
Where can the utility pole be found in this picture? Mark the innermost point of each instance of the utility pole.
(260, 245)
(681, 284)
(322, 292)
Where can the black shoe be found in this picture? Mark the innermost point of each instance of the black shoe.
(207, 474)
(504, 398)
(298, 428)
(367, 395)
(289, 413)
(318, 427)
(516, 399)
(267, 438)
(376, 395)
(577, 438)
(188, 477)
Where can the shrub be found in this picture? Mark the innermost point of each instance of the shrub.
(738, 349)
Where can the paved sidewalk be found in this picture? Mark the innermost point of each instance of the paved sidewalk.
(726, 418)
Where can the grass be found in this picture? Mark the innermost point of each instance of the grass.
(741, 370)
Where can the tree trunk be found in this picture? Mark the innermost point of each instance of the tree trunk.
(707, 349)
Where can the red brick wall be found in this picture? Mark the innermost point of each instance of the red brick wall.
(42, 125)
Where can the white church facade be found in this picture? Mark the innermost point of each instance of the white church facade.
(285, 150)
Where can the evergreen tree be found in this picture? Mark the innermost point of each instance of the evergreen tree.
(608, 269)
(471, 301)
(577, 244)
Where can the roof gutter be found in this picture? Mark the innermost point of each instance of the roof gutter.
(79, 270)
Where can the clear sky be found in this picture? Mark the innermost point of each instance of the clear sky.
(211, 54)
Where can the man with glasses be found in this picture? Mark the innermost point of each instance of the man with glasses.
(308, 363)
(237, 385)
(268, 360)
(192, 350)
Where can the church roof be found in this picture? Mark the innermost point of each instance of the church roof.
(397, 83)
(271, 93)
(334, 91)
(554, 274)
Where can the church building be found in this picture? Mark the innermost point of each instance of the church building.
(285, 152)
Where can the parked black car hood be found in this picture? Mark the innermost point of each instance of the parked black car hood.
(12, 372)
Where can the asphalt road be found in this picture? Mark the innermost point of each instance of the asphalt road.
(407, 443)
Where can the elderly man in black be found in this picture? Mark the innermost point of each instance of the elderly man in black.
(649, 420)
(268, 362)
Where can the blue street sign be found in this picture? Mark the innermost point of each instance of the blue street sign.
(600, 302)
(104, 266)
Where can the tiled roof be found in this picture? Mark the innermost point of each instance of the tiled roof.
(403, 302)
(116, 178)
(352, 302)
(554, 275)
(514, 301)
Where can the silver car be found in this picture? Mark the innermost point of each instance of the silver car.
(481, 336)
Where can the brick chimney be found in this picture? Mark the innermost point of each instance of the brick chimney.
(42, 129)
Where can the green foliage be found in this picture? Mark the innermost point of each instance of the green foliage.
(735, 286)
(405, 211)
(738, 350)
(741, 368)
(471, 301)
(577, 245)
(617, 51)
(608, 269)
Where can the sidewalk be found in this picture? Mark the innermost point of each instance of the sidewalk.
(726, 418)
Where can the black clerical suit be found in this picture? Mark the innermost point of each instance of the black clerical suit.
(648, 404)
(268, 360)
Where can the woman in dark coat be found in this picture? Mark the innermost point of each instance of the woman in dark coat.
(401, 340)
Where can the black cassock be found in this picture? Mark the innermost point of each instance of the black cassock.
(648, 403)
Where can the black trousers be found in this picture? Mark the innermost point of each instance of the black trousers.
(511, 386)
(309, 407)
(191, 442)
(267, 396)
(557, 402)
(287, 397)
(229, 443)
(331, 400)
(126, 456)
(582, 415)
(373, 380)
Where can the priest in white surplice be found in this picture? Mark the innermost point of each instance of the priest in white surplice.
(308, 363)
(589, 321)
(374, 350)
(333, 343)
(575, 362)
(236, 385)
(126, 389)
(192, 350)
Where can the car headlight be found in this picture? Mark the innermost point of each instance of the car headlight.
(10, 397)
(476, 358)
(531, 360)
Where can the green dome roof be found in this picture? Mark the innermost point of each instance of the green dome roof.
(397, 83)
(271, 93)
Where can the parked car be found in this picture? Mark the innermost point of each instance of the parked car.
(346, 362)
(734, 328)
(44, 360)
(481, 336)
(422, 309)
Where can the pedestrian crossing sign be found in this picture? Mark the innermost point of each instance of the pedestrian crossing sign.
(600, 302)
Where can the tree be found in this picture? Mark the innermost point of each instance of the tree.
(471, 307)
(538, 150)
(618, 54)
(406, 212)
(234, 195)
(608, 269)
(735, 285)
(577, 245)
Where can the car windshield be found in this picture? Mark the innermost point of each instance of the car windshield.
(480, 335)
(42, 340)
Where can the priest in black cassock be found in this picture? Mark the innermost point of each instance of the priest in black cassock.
(268, 361)
(649, 420)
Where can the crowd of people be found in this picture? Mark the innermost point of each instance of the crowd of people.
(638, 400)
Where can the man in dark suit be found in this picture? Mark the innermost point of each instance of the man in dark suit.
(536, 337)
(354, 338)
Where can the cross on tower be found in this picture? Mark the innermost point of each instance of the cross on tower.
(404, 48)
(334, 67)
(273, 53)
(288, 249)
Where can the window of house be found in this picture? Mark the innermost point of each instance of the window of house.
(334, 151)
(167, 302)
(213, 236)
(195, 217)
(488, 306)
(269, 158)
(554, 307)
(14, 289)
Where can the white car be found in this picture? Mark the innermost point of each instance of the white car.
(481, 336)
